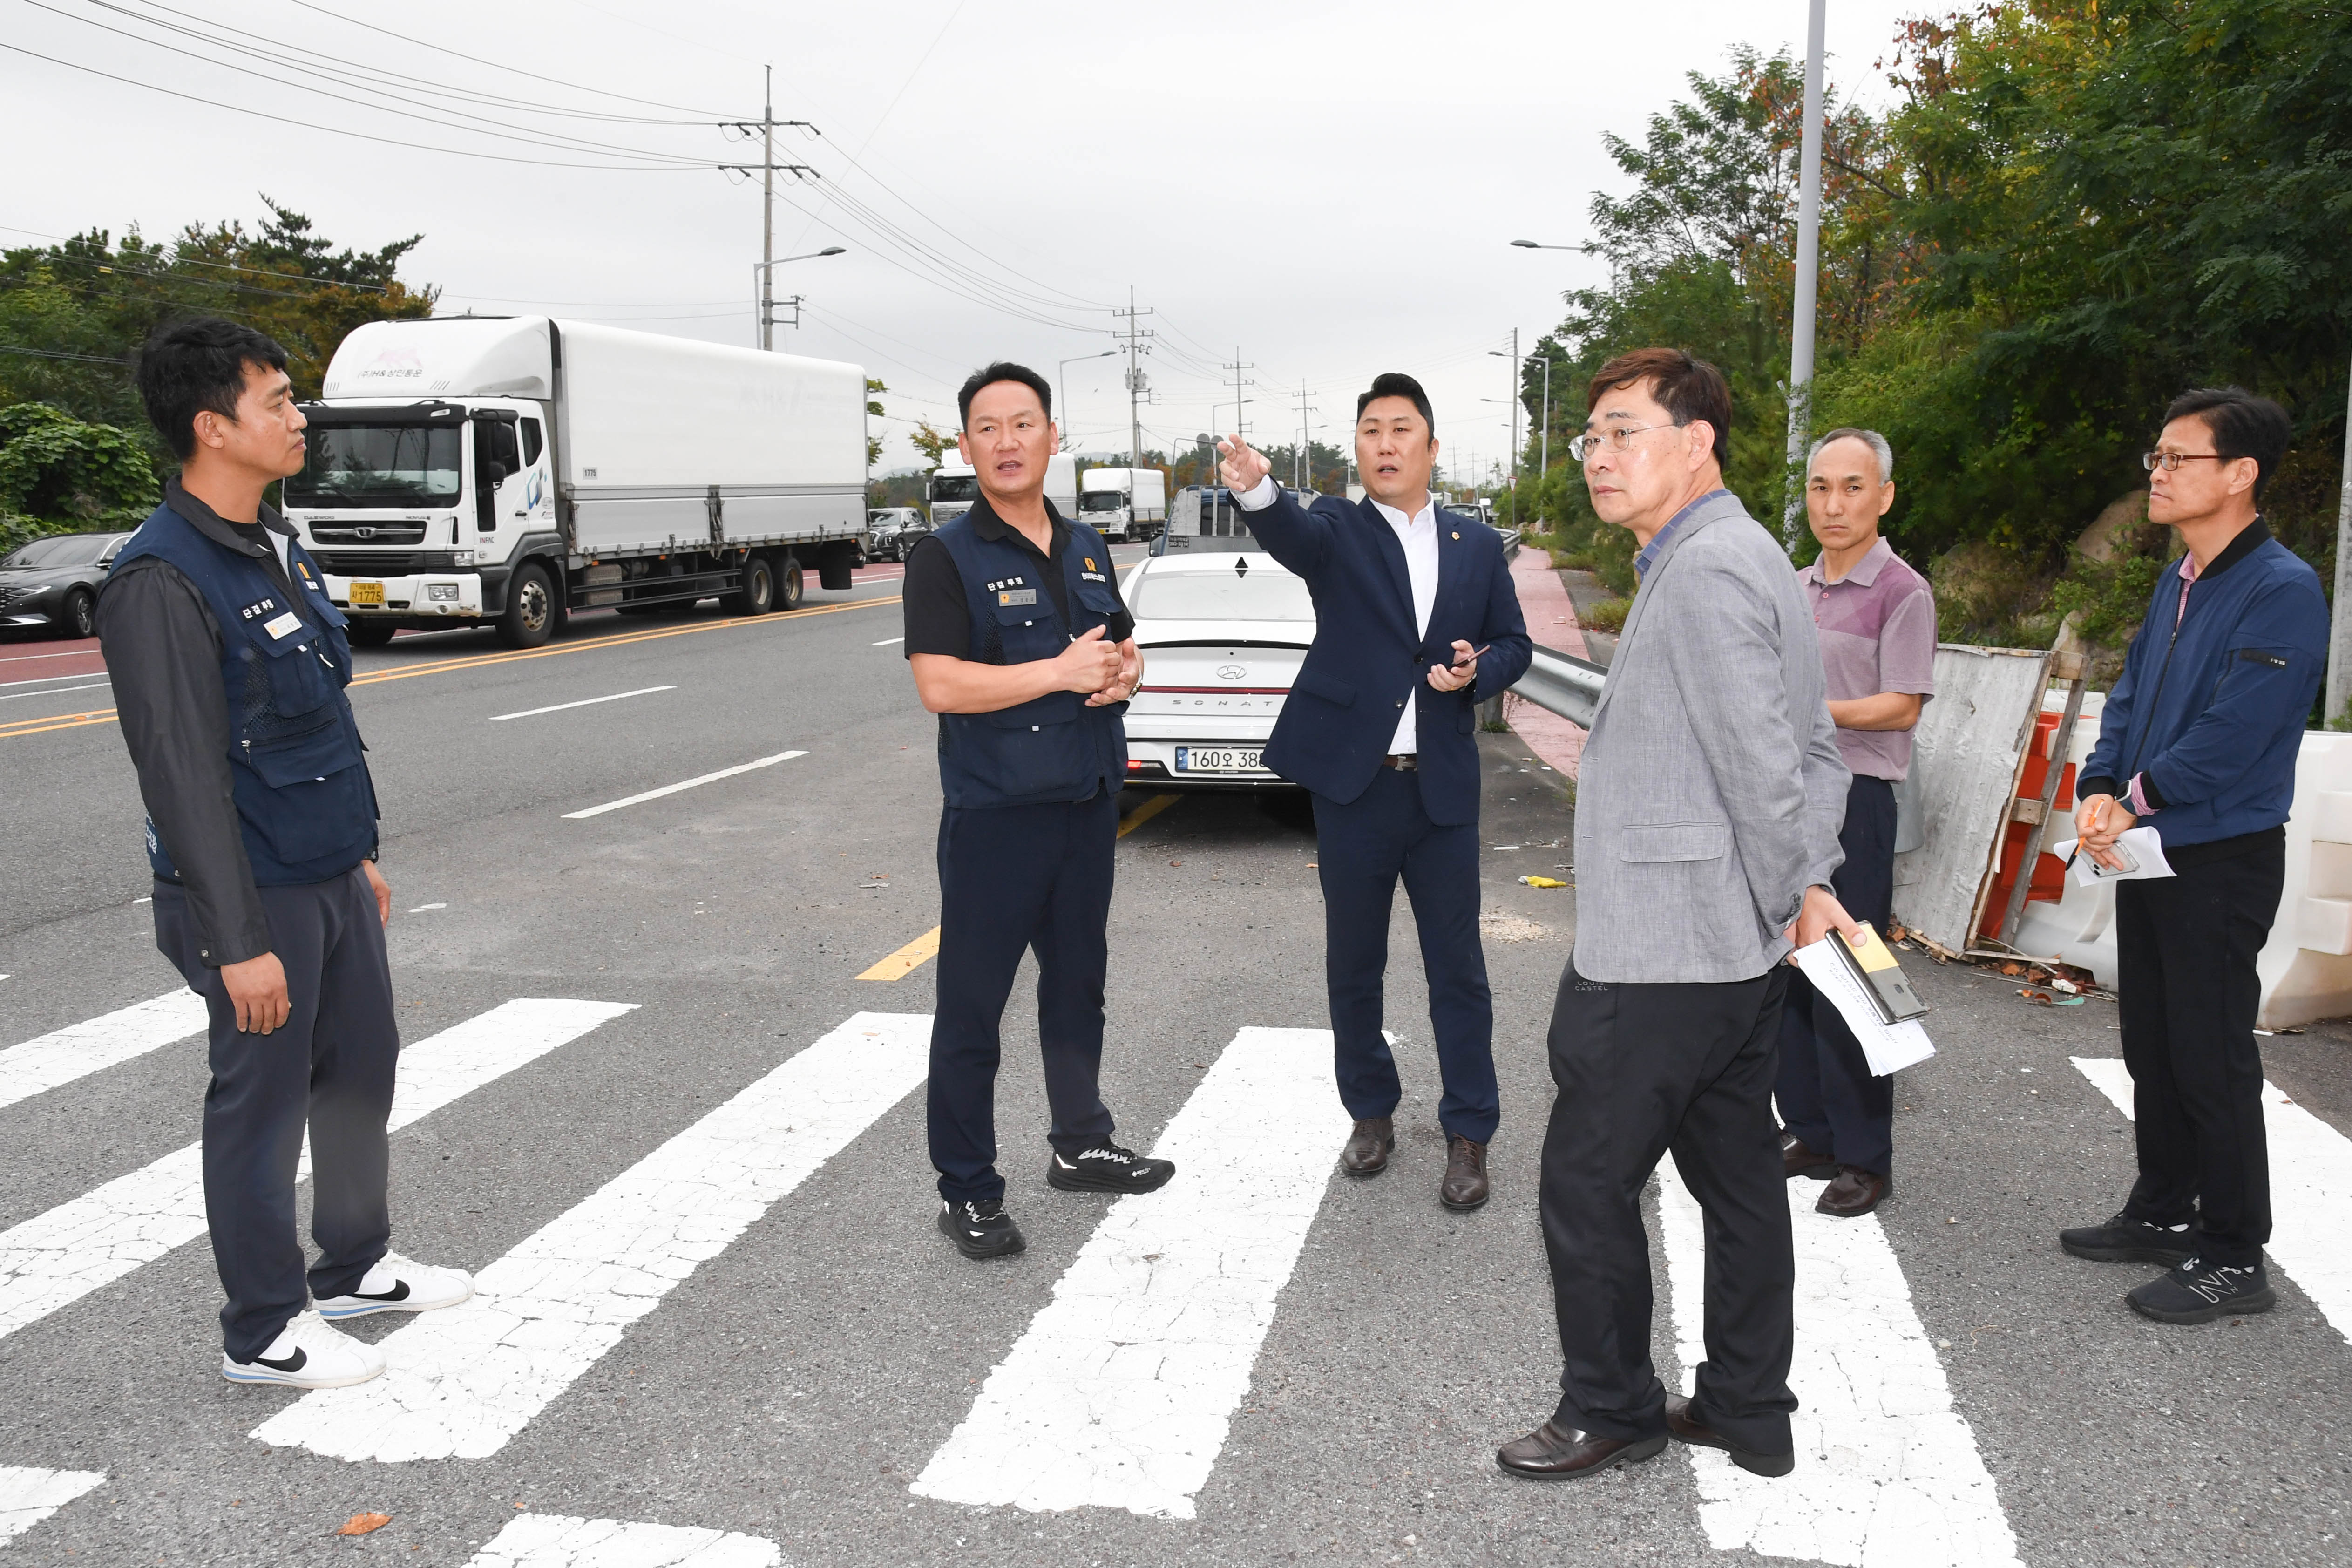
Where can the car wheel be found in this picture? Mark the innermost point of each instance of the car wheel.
(79, 616)
(530, 618)
(370, 634)
(789, 588)
(757, 596)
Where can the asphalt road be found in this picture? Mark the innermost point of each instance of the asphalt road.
(796, 1378)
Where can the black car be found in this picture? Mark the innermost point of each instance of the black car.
(54, 581)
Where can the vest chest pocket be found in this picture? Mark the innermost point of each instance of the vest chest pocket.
(1029, 632)
(291, 719)
(1098, 601)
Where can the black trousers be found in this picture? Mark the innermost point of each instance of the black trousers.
(328, 1069)
(1361, 849)
(1011, 878)
(1827, 1095)
(1643, 1070)
(2185, 945)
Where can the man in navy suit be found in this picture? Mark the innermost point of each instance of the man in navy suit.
(1415, 623)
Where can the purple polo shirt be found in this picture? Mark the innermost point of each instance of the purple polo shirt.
(1878, 627)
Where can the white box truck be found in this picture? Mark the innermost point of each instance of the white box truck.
(507, 471)
(952, 486)
(1124, 503)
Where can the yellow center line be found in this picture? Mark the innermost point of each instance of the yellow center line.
(926, 947)
(107, 715)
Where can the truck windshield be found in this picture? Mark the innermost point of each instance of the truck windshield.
(1102, 500)
(378, 465)
(956, 487)
(1220, 597)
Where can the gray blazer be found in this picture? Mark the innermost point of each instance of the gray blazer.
(1711, 791)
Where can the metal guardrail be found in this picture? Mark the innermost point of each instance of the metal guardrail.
(1566, 686)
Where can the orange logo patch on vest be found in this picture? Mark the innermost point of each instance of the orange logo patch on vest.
(1090, 563)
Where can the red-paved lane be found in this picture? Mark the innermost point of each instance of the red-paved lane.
(25, 660)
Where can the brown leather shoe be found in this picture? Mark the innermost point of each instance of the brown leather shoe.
(1687, 1427)
(1798, 1160)
(1369, 1147)
(1556, 1453)
(1465, 1186)
(1854, 1193)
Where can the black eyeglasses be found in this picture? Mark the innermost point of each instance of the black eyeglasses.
(2170, 461)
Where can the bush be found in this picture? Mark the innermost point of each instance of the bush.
(1608, 615)
(59, 475)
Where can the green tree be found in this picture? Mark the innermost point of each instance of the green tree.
(59, 475)
(874, 410)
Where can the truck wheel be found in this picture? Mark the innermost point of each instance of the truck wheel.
(370, 634)
(757, 596)
(530, 618)
(788, 594)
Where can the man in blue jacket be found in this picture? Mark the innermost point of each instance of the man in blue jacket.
(2199, 742)
(1415, 623)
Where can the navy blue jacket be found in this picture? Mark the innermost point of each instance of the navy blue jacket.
(1341, 714)
(2212, 711)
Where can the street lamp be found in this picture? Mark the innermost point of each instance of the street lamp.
(1548, 361)
(763, 291)
(1531, 244)
(1061, 375)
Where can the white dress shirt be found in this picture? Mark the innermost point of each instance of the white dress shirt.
(1418, 534)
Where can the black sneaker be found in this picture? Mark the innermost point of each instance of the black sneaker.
(2125, 1241)
(981, 1230)
(2199, 1292)
(1107, 1168)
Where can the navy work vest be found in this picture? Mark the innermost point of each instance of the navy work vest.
(1054, 747)
(304, 803)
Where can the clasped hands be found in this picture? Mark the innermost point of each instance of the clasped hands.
(1107, 671)
(2099, 821)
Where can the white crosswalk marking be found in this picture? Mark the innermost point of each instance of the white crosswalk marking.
(79, 1049)
(2311, 1190)
(557, 1541)
(1121, 1392)
(1888, 1475)
(464, 1381)
(55, 1258)
(30, 1496)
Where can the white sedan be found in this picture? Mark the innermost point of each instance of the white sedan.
(1222, 636)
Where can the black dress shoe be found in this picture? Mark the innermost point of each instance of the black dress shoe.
(1854, 1193)
(1368, 1146)
(981, 1230)
(2124, 1239)
(1798, 1160)
(1688, 1428)
(1556, 1453)
(1465, 1186)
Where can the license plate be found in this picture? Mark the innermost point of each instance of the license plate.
(367, 593)
(1219, 759)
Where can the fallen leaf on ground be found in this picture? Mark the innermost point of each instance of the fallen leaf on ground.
(364, 1523)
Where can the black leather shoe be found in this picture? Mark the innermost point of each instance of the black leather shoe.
(1465, 1186)
(1107, 1168)
(1854, 1193)
(1556, 1453)
(1798, 1160)
(1368, 1146)
(981, 1230)
(1687, 1427)
(2127, 1240)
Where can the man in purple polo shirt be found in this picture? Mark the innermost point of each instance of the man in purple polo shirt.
(1876, 620)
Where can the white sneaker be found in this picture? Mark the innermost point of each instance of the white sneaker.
(308, 1353)
(398, 1284)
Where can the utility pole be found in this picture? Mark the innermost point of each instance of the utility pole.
(1136, 383)
(1241, 426)
(1809, 268)
(766, 126)
(1303, 466)
(2339, 642)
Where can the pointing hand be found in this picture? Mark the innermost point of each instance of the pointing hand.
(1239, 466)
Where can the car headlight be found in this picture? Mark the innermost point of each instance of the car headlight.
(439, 593)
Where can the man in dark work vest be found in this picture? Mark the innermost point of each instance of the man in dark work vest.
(1020, 643)
(229, 663)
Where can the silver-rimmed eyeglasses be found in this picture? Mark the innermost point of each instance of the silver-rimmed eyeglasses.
(1616, 438)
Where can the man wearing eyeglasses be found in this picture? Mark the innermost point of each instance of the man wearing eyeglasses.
(2198, 740)
(1706, 834)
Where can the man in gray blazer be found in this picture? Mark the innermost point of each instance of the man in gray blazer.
(1706, 829)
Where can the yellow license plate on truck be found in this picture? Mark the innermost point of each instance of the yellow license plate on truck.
(367, 593)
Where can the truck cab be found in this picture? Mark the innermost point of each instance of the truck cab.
(953, 487)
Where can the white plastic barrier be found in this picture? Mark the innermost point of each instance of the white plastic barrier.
(2306, 967)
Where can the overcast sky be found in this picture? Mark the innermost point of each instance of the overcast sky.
(1325, 191)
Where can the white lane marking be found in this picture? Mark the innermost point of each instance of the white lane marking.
(2311, 1190)
(70, 653)
(559, 1541)
(1887, 1472)
(55, 1258)
(886, 642)
(465, 1380)
(422, 908)
(55, 691)
(46, 679)
(79, 1049)
(1121, 1392)
(689, 783)
(583, 702)
(29, 1496)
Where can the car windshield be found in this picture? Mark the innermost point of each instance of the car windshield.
(877, 518)
(1102, 500)
(954, 487)
(1260, 595)
(378, 465)
(65, 550)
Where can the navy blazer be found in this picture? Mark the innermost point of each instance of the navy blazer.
(1341, 715)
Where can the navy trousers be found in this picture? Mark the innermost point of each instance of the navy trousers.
(1361, 849)
(1013, 878)
(1827, 1095)
(329, 1067)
